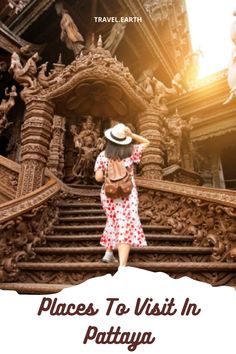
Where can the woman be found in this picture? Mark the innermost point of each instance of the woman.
(123, 228)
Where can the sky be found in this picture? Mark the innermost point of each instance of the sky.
(210, 22)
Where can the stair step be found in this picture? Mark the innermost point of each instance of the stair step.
(84, 186)
(80, 219)
(99, 249)
(90, 219)
(34, 288)
(155, 237)
(153, 266)
(102, 226)
(80, 205)
(81, 212)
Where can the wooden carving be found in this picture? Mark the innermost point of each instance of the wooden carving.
(150, 124)
(70, 34)
(158, 92)
(25, 75)
(88, 144)
(5, 106)
(56, 149)
(45, 80)
(115, 37)
(21, 234)
(18, 5)
(9, 172)
(209, 222)
(177, 140)
(38, 121)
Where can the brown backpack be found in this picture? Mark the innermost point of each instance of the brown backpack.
(118, 181)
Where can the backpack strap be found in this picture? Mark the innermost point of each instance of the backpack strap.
(129, 169)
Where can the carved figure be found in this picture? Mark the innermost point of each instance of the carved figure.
(161, 94)
(47, 80)
(5, 106)
(157, 91)
(70, 34)
(115, 37)
(156, 10)
(42, 77)
(89, 145)
(31, 66)
(85, 161)
(147, 86)
(18, 5)
(26, 75)
(176, 127)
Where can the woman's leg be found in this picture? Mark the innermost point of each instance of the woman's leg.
(123, 251)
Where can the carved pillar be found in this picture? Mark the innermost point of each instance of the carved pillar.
(56, 152)
(69, 153)
(217, 171)
(36, 135)
(187, 155)
(150, 125)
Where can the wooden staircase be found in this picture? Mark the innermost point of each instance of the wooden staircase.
(72, 253)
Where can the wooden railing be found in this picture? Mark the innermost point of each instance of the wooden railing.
(9, 172)
(24, 223)
(206, 213)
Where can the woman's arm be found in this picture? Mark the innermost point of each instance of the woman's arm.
(99, 175)
(138, 138)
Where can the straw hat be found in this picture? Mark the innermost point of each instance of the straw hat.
(117, 135)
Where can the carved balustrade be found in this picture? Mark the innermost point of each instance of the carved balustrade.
(24, 223)
(206, 213)
(9, 172)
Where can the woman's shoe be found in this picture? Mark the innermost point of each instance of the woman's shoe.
(109, 257)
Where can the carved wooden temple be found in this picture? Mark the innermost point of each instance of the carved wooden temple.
(67, 74)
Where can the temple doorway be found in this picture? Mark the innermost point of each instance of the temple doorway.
(83, 142)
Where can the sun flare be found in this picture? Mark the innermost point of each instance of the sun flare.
(209, 23)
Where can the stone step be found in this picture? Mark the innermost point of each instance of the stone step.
(94, 237)
(100, 249)
(100, 227)
(153, 266)
(34, 288)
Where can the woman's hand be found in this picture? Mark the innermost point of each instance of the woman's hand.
(128, 131)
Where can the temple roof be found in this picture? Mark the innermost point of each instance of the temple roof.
(159, 43)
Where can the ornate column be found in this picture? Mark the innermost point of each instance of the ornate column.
(217, 171)
(69, 153)
(36, 135)
(150, 125)
(56, 152)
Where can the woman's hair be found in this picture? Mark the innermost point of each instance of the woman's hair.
(117, 151)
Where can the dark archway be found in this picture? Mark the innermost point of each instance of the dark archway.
(4, 140)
